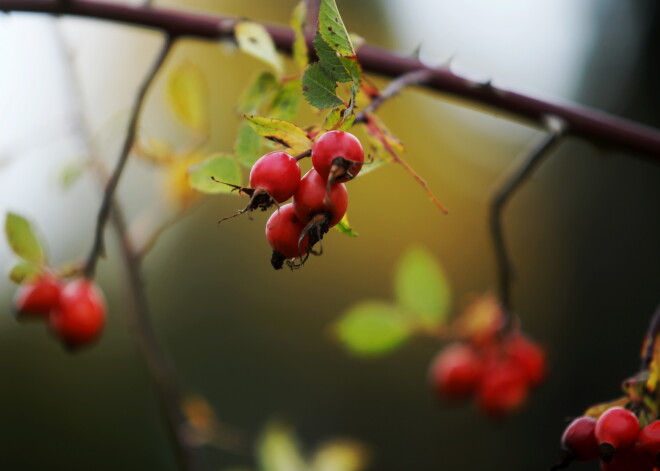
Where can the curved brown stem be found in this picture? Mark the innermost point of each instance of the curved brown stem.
(602, 128)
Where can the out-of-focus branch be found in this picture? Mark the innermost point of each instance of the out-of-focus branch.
(602, 128)
(556, 129)
(111, 186)
(651, 339)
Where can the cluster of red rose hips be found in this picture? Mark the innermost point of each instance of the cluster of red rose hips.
(320, 198)
(616, 439)
(499, 368)
(74, 310)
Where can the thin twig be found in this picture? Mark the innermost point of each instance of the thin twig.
(601, 128)
(302, 155)
(416, 77)
(651, 339)
(111, 187)
(522, 171)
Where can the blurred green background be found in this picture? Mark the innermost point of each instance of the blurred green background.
(583, 234)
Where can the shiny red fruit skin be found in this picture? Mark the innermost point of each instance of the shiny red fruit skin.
(39, 296)
(530, 357)
(283, 230)
(278, 173)
(632, 459)
(456, 371)
(335, 144)
(649, 441)
(579, 439)
(618, 427)
(80, 316)
(309, 199)
(503, 390)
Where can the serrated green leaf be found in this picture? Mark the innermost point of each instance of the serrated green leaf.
(287, 101)
(248, 145)
(187, 95)
(261, 90)
(422, 288)
(319, 88)
(22, 271)
(300, 53)
(278, 449)
(23, 240)
(221, 167)
(330, 61)
(281, 132)
(372, 328)
(254, 39)
(339, 455)
(345, 227)
(333, 30)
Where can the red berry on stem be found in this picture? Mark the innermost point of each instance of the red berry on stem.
(632, 459)
(456, 371)
(503, 389)
(338, 155)
(39, 296)
(311, 199)
(277, 173)
(80, 315)
(649, 441)
(529, 357)
(579, 439)
(283, 231)
(616, 430)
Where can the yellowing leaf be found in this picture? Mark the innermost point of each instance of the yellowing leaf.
(248, 145)
(281, 132)
(345, 227)
(253, 39)
(177, 188)
(23, 240)
(339, 455)
(334, 120)
(187, 96)
(372, 328)
(261, 89)
(422, 288)
(22, 271)
(154, 150)
(278, 450)
(300, 54)
(222, 167)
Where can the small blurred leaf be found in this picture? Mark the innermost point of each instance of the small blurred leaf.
(71, 172)
(222, 167)
(372, 328)
(339, 455)
(300, 54)
(177, 188)
(154, 150)
(187, 96)
(22, 271)
(333, 30)
(278, 449)
(254, 39)
(319, 88)
(422, 288)
(345, 227)
(248, 145)
(23, 240)
(281, 132)
(287, 100)
(334, 120)
(261, 89)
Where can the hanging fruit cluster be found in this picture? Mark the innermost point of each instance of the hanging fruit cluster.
(498, 366)
(320, 198)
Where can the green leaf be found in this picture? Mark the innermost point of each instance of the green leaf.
(287, 101)
(248, 145)
(422, 288)
(22, 271)
(221, 167)
(281, 132)
(300, 53)
(23, 240)
(333, 30)
(278, 450)
(254, 39)
(330, 61)
(345, 227)
(339, 455)
(372, 328)
(187, 96)
(71, 173)
(261, 89)
(334, 120)
(319, 88)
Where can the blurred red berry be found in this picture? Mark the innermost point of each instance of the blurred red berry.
(39, 296)
(503, 389)
(456, 371)
(631, 459)
(80, 315)
(616, 430)
(529, 356)
(649, 441)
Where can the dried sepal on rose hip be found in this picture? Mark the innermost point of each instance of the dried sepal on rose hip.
(37, 297)
(337, 156)
(80, 314)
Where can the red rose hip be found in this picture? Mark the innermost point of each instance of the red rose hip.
(311, 199)
(37, 297)
(337, 156)
(456, 371)
(80, 315)
(579, 439)
(616, 430)
(277, 173)
(283, 231)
